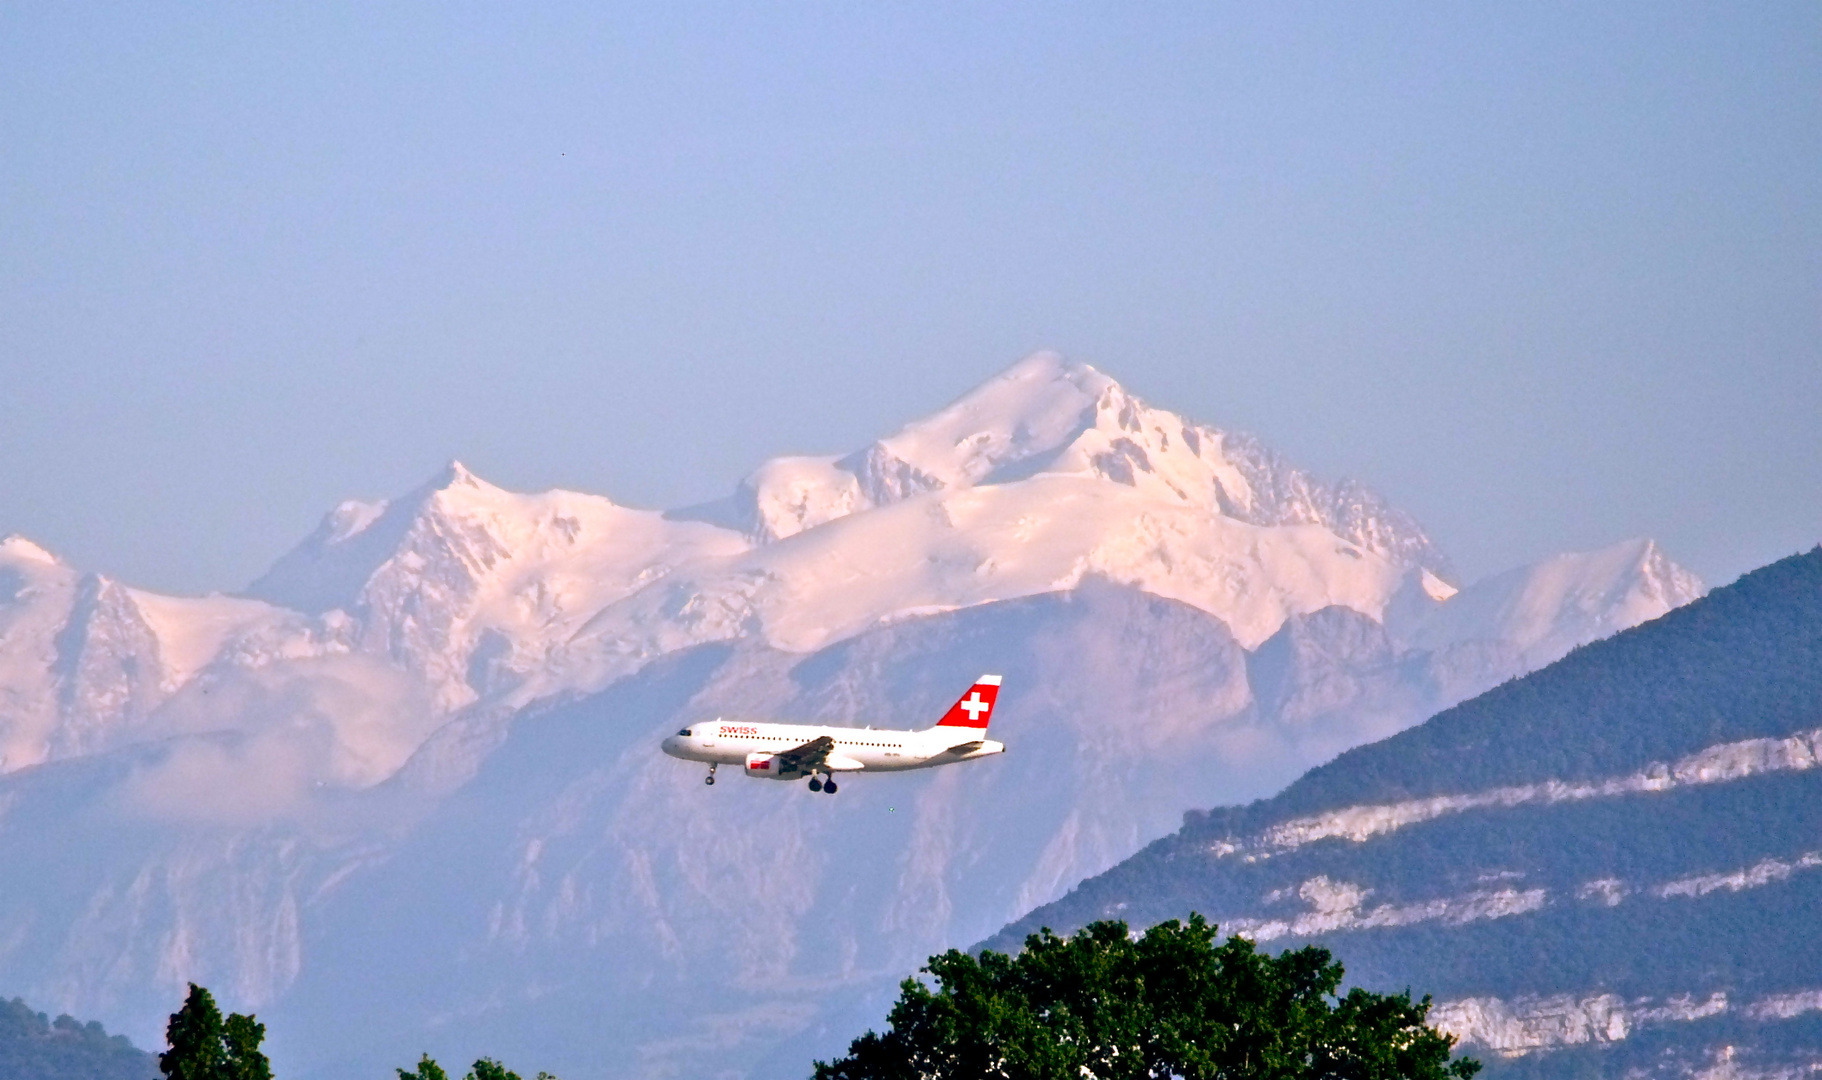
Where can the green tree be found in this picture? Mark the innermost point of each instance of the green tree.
(427, 1069)
(204, 1046)
(195, 1035)
(242, 1036)
(1172, 1003)
(484, 1069)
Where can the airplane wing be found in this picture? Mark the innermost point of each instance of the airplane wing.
(808, 756)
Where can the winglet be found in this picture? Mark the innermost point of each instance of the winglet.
(974, 709)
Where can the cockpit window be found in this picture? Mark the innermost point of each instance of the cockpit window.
(685, 733)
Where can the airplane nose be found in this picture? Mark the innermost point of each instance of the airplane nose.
(670, 745)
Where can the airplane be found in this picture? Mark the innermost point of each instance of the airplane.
(791, 751)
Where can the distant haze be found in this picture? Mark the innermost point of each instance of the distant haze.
(1547, 278)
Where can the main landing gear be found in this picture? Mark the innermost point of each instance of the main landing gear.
(710, 778)
(817, 783)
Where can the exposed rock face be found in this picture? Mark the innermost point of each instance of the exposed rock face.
(107, 666)
(1318, 663)
(582, 873)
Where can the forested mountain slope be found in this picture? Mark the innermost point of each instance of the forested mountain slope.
(1614, 862)
(35, 1047)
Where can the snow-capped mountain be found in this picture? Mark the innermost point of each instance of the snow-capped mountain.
(469, 587)
(469, 673)
(1545, 609)
(1046, 475)
(85, 660)
(1046, 415)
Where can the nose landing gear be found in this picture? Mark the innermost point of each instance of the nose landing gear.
(710, 778)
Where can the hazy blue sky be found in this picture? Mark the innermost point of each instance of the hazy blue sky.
(1547, 276)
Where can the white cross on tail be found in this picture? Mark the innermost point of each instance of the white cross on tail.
(974, 706)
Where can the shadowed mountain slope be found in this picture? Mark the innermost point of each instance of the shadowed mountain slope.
(588, 900)
(1613, 863)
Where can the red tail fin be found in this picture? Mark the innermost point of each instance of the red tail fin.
(975, 707)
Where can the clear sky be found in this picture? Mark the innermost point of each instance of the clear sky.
(1548, 276)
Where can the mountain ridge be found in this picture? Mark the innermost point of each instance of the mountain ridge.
(1044, 476)
(1046, 414)
(1623, 842)
(462, 705)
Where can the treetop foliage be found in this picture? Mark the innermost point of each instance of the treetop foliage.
(1102, 1005)
(484, 1069)
(204, 1046)
(427, 1069)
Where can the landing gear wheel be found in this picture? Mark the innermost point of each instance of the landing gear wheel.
(815, 784)
(830, 786)
(710, 778)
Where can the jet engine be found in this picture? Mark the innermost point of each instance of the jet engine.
(770, 767)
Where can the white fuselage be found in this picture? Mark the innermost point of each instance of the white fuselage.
(728, 742)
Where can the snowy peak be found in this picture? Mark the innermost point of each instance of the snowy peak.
(27, 572)
(457, 475)
(1046, 415)
(1033, 409)
(16, 548)
(469, 586)
(1028, 413)
(456, 491)
(786, 496)
(454, 521)
(1549, 607)
(1663, 582)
